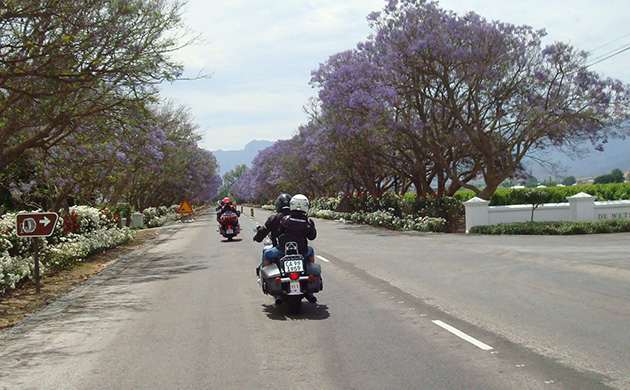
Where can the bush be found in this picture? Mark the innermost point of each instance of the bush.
(82, 231)
(507, 197)
(159, 216)
(324, 204)
(555, 228)
(396, 212)
(386, 219)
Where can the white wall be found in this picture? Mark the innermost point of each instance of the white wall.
(581, 207)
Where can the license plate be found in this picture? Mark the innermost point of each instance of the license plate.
(293, 266)
(229, 231)
(295, 286)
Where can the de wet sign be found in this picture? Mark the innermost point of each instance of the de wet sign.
(36, 224)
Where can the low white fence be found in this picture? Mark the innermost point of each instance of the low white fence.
(581, 207)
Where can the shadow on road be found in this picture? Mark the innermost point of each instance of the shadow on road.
(230, 241)
(309, 312)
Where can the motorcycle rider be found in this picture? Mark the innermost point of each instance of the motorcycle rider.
(272, 226)
(218, 208)
(291, 222)
(299, 226)
(226, 205)
(298, 223)
(295, 221)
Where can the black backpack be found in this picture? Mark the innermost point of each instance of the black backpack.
(292, 244)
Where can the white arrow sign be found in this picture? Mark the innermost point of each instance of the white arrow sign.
(45, 221)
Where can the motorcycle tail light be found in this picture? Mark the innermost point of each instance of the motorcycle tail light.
(294, 276)
(278, 281)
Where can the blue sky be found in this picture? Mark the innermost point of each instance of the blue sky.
(260, 54)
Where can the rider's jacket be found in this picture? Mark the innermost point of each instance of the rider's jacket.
(271, 226)
(296, 227)
(297, 222)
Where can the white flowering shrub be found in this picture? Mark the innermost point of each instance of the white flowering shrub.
(88, 218)
(385, 219)
(76, 247)
(328, 214)
(159, 216)
(13, 270)
(151, 213)
(161, 221)
(9, 240)
(79, 233)
(326, 203)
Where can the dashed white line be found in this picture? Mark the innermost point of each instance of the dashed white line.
(441, 324)
(463, 335)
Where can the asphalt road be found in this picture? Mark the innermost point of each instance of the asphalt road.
(398, 311)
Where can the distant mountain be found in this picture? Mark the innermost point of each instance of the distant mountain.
(229, 159)
(616, 154)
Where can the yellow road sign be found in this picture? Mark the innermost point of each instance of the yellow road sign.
(185, 208)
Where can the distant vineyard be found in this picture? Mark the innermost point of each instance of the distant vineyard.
(506, 197)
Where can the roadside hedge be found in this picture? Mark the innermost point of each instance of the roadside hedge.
(555, 228)
(407, 212)
(79, 233)
(507, 196)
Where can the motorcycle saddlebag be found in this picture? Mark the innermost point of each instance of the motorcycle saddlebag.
(269, 273)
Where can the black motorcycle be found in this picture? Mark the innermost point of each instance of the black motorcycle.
(291, 278)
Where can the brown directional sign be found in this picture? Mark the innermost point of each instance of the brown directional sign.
(36, 224)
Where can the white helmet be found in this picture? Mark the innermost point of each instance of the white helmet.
(299, 202)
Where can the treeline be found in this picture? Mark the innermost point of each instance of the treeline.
(81, 120)
(436, 102)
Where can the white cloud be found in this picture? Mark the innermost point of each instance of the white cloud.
(261, 53)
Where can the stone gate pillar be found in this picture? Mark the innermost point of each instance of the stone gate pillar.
(582, 207)
(476, 212)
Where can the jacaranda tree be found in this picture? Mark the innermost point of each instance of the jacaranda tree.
(63, 63)
(490, 90)
(441, 99)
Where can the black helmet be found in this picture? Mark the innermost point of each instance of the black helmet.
(282, 202)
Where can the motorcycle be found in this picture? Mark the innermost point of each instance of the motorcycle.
(290, 278)
(228, 225)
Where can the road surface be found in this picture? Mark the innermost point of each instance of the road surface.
(398, 310)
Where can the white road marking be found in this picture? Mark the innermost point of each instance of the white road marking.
(323, 259)
(463, 335)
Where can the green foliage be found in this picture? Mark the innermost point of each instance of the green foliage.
(555, 228)
(229, 178)
(531, 182)
(569, 181)
(616, 176)
(386, 219)
(506, 197)
(395, 212)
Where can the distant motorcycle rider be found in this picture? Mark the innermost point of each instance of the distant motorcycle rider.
(225, 206)
(272, 225)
